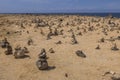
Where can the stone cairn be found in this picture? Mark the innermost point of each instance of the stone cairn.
(42, 63)
(74, 41)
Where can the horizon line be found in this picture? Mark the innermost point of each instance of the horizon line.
(58, 12)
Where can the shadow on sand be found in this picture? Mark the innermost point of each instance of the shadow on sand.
(25, 56)
(49, 68)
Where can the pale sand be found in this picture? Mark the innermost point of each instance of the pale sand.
(64, 59)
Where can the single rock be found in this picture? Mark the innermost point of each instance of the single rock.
(98, 47)
(115, 77)
(59, 42)
(80, 54)
(42, 64)
(51, 50)
(115, 48)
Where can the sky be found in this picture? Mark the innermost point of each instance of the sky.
(47, 6)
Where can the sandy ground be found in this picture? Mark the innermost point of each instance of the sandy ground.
(64, 59)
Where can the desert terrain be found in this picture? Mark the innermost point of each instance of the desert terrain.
(89, 31)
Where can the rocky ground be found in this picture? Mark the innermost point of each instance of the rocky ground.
(69, 34)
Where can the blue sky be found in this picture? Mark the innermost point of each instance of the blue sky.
(31, 6)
